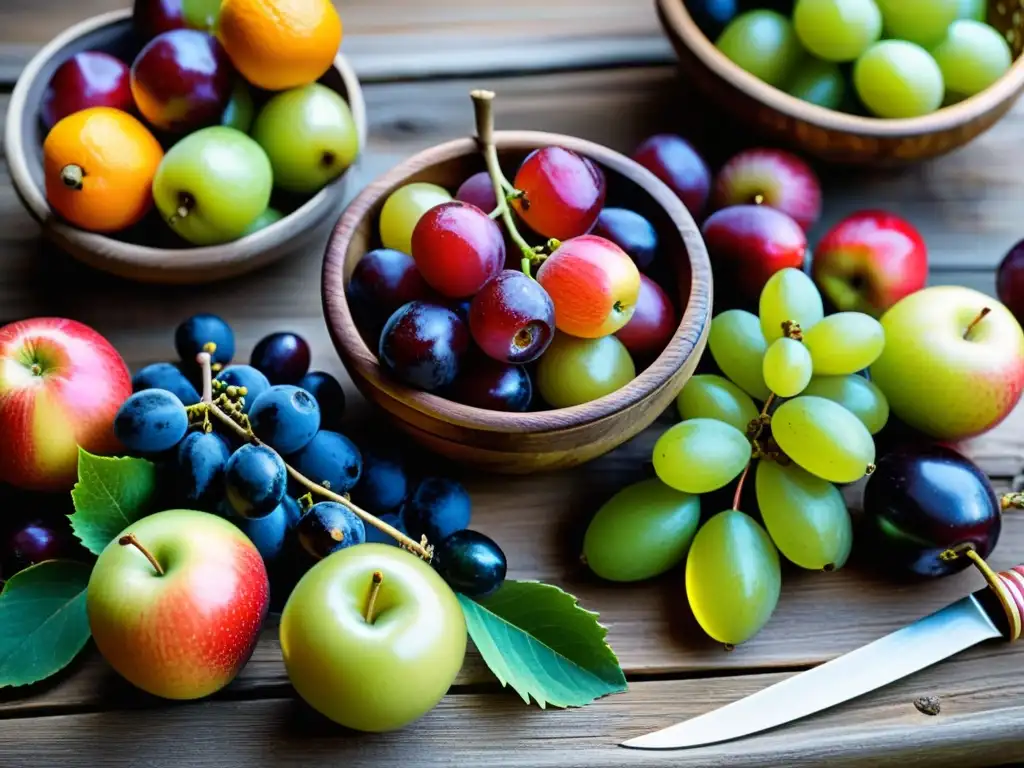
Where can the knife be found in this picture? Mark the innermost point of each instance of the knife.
(993, 612)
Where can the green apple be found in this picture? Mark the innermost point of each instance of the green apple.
(177, 601)
(212, 185)
(953, 363)
(372, 664)
(309, 135)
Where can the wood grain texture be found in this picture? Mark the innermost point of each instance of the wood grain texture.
(833, 135)
(981, 700)
(519, 443)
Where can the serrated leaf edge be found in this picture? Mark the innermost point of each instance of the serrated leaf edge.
(84, 457)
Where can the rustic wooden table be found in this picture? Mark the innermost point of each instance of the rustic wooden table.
(597, 69)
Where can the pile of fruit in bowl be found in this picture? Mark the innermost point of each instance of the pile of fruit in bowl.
(212, 114)
(883, 58)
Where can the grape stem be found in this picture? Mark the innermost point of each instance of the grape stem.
(753, 432)
(422, 548)
(483, 107)
(1012, 501)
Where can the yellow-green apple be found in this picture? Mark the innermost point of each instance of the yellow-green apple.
(953, 363)
(61, 384)
(372, 637)
(869, 261)
(771, 177)
(176, 603)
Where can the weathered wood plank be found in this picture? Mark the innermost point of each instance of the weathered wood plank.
(982, 706)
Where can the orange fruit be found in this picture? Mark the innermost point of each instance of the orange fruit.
(280, 44)
(99, 166)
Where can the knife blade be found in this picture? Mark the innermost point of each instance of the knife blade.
(961, 625)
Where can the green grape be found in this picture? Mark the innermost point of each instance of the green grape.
(824, 438)
(701, 455)
(805, 516)
(845, 342)
(763, 43)
(787, 367)
(265, 219)
(819, 82)
(789, 295)
(402, 210)
(738, 346)
(713, 397)
(897, 79)
(919, 21)
(977, 10)
(733, 577)
(857, 395)
(642, 531)
(972, 57)
(837, 30)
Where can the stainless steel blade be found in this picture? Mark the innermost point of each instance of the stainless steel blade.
(921, 644)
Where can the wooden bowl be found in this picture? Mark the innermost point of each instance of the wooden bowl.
(838, 137)
(520, 443)
(150, 252)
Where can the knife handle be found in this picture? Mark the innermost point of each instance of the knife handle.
(1007, 610)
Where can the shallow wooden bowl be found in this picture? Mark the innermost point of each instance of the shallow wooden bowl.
(519, 443)
(150, 252)
(834, 136)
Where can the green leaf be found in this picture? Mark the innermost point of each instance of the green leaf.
(43, 621)
(110, 495)
(537, 639)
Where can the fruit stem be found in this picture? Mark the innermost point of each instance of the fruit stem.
(130, 540)
(739, 487)
(378, 579)
(1012, 501)
(423, 549)
(483, 103)
(975, 321)
(36, 369)
(72, 176)
(753, 432)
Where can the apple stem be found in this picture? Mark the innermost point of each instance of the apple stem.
(378, 579)
(36, 369)
(72, 176)
(975, 321)
(483, 107)
(130, 540)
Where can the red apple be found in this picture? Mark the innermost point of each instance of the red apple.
(869, 261)
(87, 79)
(593, 284)
(750, 243)
(61, 384)
(182, 80)
(674, 160)
(176, 603)
(653, 322)
(770, 177)
(1010, 281)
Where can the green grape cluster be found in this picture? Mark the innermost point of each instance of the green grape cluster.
(791, 410)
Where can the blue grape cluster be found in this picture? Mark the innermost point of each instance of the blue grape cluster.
(296, 415)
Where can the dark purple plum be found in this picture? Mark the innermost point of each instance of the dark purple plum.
(33, 542)
(423, 344)
(674, 160)
(282, 357)
(478, 190)
(631, 232)
(486, 383)
(382, 281)
(922, 501)
(512, 318)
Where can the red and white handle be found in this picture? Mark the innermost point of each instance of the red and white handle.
(1008, 587)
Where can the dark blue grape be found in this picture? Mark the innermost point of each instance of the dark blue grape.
(246, 376)
(151, 421)
(423, 344)
(375, 536)
(331, 460)
(383, 485)
(436, 509)
(328, 527)
(470, 563)
(293, 510)
(166, 376)
(202, 457)
(282, 357)
(381, 282)
(285, 418)
(329, 395)
(205, 333)
(255, 480)
(267, 533)
(631, 232)
(712, 16)
(486, 383)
